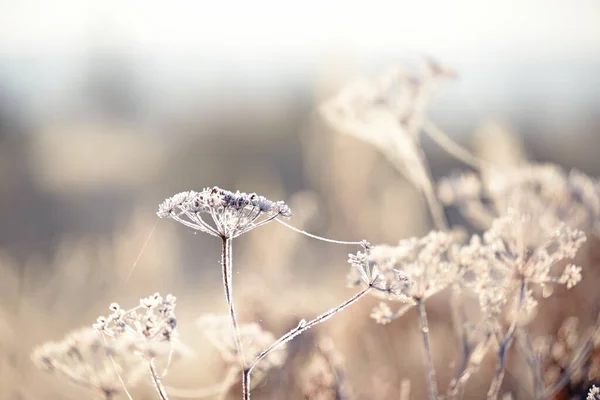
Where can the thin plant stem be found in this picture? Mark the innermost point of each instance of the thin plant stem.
(302, 327)
(533, 361)
(160, 389)
(226, 261)
(310, 235)
(451, 147)
(504, 345)
(424, 327)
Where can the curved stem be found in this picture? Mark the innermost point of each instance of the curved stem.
(424, 326)
(302, 327)
(226, 262)
(160, 389)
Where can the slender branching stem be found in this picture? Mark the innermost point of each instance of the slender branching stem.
(156, 379)
(424, 327)
(226, 261)
(504, 345)
(302, 327)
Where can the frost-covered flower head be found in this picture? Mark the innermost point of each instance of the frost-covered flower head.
(520, 248)
(232, 214)
(218, 331)
(414, 270)
(573, 197)
(85, 359)
(149, 328)
(388, 111)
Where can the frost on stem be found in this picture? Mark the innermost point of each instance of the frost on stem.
(218, 331)
(232, 214)
(85, 359)
(571, 197)
(415, 269)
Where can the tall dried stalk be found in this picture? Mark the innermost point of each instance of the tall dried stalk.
(226, 263)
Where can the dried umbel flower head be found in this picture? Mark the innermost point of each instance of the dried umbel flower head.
(85, 359)
(324, 376)
(573, 197)
(516, 252)
(148, 328)
(232, 213)
(414, 270)
(388, 112)
(219, 332)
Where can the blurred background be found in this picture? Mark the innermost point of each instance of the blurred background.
(108, 107)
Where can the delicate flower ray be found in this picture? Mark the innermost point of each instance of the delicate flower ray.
(232, 214)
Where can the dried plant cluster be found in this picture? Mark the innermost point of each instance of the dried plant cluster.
(531, 221)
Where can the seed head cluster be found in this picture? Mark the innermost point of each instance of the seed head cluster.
(85, 359)
(232, 214)
(149, 328)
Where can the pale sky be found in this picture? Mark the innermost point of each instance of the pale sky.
(256, 27)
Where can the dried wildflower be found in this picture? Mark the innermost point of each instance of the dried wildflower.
(388, 112)
(573, 197)
(84, 358)
(149, 328)
(518, 247)
(413, 270)
(219, 332)
(324, 375)
(232, 213)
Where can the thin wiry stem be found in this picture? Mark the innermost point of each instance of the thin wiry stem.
(226, 261)
(424, 327)
(160, 389)
(302, 327)
(533, 361)
(451, 147)
(310, 235)
(504, 345)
